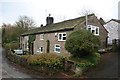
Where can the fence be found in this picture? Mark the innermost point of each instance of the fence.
(116, 45)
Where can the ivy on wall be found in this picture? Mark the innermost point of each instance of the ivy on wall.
(31, 38)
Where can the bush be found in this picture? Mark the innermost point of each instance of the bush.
(12, 45)
(81, 43)
(47, 60)
(87, 61)
(47, 63)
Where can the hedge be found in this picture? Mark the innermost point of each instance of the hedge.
(47, 63)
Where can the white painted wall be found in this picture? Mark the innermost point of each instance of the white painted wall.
(112, 28)
(119, 31)
(25, 42)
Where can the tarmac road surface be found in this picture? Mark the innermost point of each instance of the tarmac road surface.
(8, 71)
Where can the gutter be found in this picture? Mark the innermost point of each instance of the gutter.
(49, 31)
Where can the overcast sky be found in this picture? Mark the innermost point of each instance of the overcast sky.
(10, 10)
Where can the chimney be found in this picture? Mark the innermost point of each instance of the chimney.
(41, 25)
(49, 20)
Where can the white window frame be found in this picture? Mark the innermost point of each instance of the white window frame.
(41, 36)
(40, 50)
(55, 47)
(89, 27)
(62, 36)
(93, 28)
(98, 31)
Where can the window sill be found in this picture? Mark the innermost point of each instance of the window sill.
(56, 52)
(39, 52)
(96, 34)
(62, 40)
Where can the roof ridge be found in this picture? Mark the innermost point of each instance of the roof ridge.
(71, 23)
(117, 20)
(72, 19)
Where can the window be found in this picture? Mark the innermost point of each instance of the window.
(57, 48)
(41, 36)
(93, 29)
(89, 29)
(97, 30)
(40, 50)
(62, 37)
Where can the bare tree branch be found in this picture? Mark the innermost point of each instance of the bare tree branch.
(25, 22)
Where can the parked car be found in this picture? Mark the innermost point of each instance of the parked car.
(102, 51)
(18, 51)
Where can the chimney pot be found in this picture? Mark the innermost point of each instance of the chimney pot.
(49, 20)
(41, 25)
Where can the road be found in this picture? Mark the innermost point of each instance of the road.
(8, 71)
(108, 67)
(15, 71)
(0, 63)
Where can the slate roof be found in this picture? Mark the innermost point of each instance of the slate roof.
(114, 20)
(64, 25)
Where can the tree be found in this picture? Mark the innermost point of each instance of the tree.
(81, 43)
(7, 32)
(11, 33)
(86, 12)
(25, 23)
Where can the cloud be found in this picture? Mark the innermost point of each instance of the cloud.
(60, 9)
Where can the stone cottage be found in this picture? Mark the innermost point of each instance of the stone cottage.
(51, 38)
